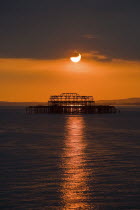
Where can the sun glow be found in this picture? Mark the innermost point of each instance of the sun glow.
(76, 59)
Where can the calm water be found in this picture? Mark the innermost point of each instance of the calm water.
(70, 162)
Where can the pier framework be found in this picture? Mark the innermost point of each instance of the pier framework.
(71, 103)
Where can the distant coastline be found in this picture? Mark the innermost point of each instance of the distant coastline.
(128, 101)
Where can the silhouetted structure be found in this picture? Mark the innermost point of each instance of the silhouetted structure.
(71, 103)
(70, 99)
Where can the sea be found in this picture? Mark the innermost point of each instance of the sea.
(61, 161)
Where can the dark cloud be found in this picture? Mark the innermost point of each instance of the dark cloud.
(51, 28)
(89, 36)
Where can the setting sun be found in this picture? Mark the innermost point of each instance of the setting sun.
(76, 59)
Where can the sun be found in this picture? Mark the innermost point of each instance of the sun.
(76, 59)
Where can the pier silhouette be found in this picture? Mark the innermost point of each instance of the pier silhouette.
(71, 103)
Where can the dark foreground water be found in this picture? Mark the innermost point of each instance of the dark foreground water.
(70, 162)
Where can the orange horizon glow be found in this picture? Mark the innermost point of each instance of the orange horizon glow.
(23, 80)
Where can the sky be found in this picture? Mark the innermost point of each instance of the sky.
(37, 38)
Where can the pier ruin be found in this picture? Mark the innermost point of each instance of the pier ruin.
(71, 103)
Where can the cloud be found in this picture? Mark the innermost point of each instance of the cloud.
(97, 56)
(89, 36)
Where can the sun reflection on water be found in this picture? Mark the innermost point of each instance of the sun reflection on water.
(75, 174)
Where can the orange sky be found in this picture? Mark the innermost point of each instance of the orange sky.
(35, 80)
